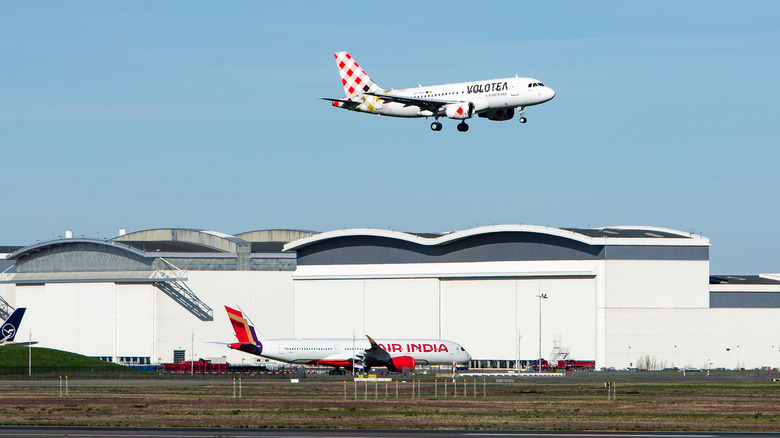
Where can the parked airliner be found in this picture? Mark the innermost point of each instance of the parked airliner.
(10, 328)
(494, 99)
(397, 355)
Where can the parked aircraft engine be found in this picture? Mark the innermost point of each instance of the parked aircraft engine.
(499, 114)
(401, 364)
(463, 110)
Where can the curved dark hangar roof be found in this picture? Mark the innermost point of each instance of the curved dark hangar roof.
(498, 243)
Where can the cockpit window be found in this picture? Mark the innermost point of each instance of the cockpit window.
(536, 84)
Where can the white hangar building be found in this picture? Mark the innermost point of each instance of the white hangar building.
(616, 295)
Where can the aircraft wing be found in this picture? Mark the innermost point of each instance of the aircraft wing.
(425, 104)
(345, 103)
(337, 357)
(376, 355)
(19, 344)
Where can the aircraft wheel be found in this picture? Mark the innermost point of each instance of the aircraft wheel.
(436, 126)
(463, 127)
(523, 120)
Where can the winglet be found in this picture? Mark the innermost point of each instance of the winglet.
(372, 341)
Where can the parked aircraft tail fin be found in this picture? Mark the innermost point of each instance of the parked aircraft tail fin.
(249, 340)
(11, 325)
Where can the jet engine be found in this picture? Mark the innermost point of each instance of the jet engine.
(463, 110)
(401, 364)
(499, 114)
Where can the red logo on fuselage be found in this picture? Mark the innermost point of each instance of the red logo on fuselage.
(412, 348)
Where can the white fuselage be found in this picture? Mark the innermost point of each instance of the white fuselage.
(485, 95)
(303, 351)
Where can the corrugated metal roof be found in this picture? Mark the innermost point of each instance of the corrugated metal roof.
(86, 277)
(624, 233)
(741, 279)
(169, 246)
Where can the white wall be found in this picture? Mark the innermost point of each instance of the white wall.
(265, 296)
(657, 284)
(95, 319)
(727, 338)
(488, 315)
(71, 317)
(329, 309)
(402, 308)
(657, 308)
(34, 321)
(482, 316)
(107, 319)
(485, 315)
(135, 320)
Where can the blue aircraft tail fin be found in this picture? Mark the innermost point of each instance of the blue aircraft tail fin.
(11, 325)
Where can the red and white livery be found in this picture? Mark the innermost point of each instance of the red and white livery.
(397, 355)
(494, 99)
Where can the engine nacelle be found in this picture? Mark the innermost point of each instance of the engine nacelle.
(499, 114)
(401, 364)
(459, 111)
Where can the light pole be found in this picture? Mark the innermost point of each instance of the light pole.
(517, 359)
(29, 355)
(541, 297)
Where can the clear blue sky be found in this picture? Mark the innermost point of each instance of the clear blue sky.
(204, 114)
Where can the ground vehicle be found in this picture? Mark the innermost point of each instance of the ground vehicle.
(570, 365)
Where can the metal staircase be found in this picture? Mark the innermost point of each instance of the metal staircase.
(172, 284)
(5, 309)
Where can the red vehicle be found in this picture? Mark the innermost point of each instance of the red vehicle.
(199, 366)
(571, 365)
(535, 365)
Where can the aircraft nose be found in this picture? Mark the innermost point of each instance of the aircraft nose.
(550, 93)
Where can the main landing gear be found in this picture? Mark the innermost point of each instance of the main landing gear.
(462, 126)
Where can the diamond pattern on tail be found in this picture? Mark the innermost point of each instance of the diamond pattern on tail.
(353, 77)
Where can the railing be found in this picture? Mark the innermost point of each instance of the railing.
(175, 287)
(5, 309)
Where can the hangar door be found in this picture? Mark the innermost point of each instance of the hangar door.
(498, 318)
(393, 307)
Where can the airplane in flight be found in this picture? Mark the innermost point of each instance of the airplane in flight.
(397, 355)
(10, 327)
(494, 99)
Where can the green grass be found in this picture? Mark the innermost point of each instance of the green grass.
(46, 362)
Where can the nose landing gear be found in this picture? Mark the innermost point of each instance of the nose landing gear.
(522, 117)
